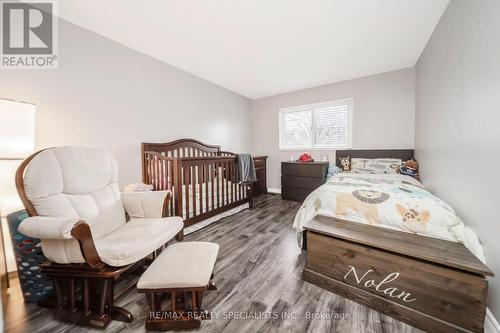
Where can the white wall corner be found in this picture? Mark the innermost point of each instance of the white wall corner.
(274, 190)
(491, 325)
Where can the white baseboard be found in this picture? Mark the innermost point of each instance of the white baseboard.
(274, 190)
(490, 323)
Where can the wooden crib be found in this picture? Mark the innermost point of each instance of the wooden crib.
(202, 178)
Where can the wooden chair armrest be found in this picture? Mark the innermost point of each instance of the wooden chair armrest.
(81, 231)
(180, 236)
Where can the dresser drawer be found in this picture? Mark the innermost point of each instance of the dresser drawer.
(259, 163)
(260, 173)
(310, 183)
(304, 170)
(293, 193)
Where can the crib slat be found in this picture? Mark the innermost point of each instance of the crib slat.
(193, 188)
(217, 165)
(148, 166)
(161, 173)
(167, 178)
(161, 164)
(164, 166)
(157, 171)
(238, 193)
(205, 173)
(178, 182)
(158, 175)
(200, 186)
(223, 187)
(226, 201)
(186, 188)
(155, 177)
(165, 174)
(145, 168)
(237, 184)
(155, 184)
(241, 192)
(230, 182)
(151, 164)
(233, 182)
(211, 177)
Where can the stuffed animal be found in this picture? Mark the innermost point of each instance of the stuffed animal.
(345, 162)
(410, 168)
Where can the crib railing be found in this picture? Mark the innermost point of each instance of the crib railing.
(202, 186)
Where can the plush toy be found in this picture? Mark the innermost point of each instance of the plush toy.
(410, 168)
(345, 162)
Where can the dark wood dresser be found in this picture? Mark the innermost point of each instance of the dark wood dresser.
(298, 179)
(260, 187)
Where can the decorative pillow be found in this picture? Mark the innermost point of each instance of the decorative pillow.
(375, 165)
(345, 163)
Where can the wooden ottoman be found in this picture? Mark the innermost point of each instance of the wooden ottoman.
(182, 271)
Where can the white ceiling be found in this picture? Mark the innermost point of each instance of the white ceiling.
(260, 48)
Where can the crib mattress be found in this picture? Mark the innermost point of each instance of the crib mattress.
(221, 197)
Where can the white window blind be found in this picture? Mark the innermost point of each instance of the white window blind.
(321, 125)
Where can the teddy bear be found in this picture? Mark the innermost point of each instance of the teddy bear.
(410, 168)
(345, 162)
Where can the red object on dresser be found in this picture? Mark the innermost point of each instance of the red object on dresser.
(305, 157)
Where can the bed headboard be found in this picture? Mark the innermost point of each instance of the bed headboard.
(182, 148)
(403, 154)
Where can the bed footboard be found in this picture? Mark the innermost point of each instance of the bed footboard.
(432, 284)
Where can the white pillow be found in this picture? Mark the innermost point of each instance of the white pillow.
(375, 165)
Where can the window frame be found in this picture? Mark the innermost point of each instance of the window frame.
(333, 103)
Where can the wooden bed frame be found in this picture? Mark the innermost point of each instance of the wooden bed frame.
(432, 284)
(187, 164)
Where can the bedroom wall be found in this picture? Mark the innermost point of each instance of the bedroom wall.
(109, 96)
(384, 112)
(458, 117)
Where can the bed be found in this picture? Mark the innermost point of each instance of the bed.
(383, 240)
(202, 178)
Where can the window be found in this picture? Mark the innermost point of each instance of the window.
(320, 125)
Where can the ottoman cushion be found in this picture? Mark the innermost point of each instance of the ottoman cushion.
(181, 265)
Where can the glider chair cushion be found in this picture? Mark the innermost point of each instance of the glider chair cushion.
(136, 239)
(66, 185)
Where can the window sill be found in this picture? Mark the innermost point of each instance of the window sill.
(313, 148)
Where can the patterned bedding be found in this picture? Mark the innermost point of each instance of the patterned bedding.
(391, 201)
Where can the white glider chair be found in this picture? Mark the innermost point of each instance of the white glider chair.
(78, 212)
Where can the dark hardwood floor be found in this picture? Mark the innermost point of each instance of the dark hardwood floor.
(258, 275)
